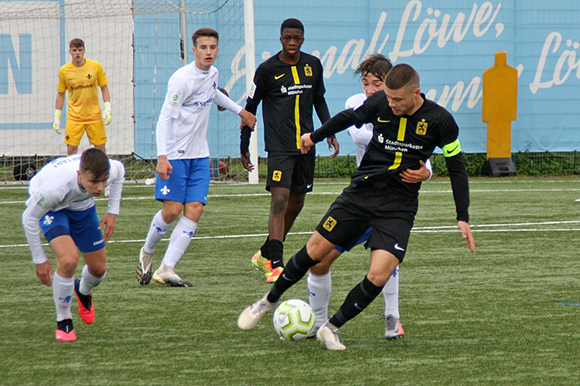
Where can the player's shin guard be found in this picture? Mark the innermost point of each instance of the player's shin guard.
(179, 241)
(319, 290)
(357, 300)
(276, 253)
(89, 281)
(296, 268)
(157, 230)
(62, 291)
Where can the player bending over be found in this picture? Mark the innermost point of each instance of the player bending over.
(62, 205)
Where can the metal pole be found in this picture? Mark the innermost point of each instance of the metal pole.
(184, 50)
(253, 177)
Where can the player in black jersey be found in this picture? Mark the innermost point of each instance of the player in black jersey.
(407, 128)
(289, 84)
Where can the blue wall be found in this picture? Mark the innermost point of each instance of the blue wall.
(541, 38)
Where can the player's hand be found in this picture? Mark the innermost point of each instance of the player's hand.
(305, 143)
(246, 163)
(57, 118)
(164, 168)
(333, 143)
(411, 176)
(44, 273)
(109, 220)
(467, 235)
(248, 119)
(107, 117)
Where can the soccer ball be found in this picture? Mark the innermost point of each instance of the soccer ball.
(293, 319)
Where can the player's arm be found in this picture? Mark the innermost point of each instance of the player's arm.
(460, 187)
(116, 179)
(338, 123)
(248, 119)
(58, 105)
(107, 116)
(30, 218)
(255, 96)
(323, 113)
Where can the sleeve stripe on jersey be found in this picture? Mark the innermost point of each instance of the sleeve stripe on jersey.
(452, 148)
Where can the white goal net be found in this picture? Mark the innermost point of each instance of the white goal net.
(140, 43)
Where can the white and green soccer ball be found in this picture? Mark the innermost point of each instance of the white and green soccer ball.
(293, 319)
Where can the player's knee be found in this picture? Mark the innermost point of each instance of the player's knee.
(67, 264)
(98, 270)
(379, 279)
(320, 269)
(170, 214)
(279, 205)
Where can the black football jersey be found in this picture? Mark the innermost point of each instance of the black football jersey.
(288, 94)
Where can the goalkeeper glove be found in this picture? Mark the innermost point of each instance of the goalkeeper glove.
(56, 124)
(107, 117)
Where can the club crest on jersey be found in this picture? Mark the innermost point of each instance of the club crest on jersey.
(277, 175)
(329, 223)
(421, 127)
(307, 70)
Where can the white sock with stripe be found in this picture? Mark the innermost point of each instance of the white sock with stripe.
(179, 240)
(391, 294)
(157, 230)
(89, 281)
(319, 291)
(62, 292)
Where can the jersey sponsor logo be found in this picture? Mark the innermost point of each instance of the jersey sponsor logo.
(382, 121)
(165, 190)
(307, 70)
(48, 220)
(277, 175)
(203, 103)
(399, 248)
(329, 223)
(276, 77)
(175, 99)
(380, 138)
(99, 242)
(421, 127)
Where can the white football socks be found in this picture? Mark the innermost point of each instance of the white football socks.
(391, 294)
(319, 291)
(62, 291)
(179, 240)
(89, 281)
(157, 230)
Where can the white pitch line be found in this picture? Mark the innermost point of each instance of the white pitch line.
(441, 229)
(334, 194)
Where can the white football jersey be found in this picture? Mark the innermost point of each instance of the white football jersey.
(362, 136)
(182, 126)
(55, 187)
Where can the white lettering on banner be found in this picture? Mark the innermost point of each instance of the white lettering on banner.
(567, 61)
(434, 26)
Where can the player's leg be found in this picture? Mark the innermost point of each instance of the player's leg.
(382, 265)
(72, 136)
(197, 188)
(319, 282)
(97, 135)
(88, 238)
(337, 226)
(67, 257)
(56, 229)
(172, 193)
(319, 287)
(394, 328)
(315, 249)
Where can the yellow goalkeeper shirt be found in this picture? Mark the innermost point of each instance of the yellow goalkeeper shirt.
(83, 85)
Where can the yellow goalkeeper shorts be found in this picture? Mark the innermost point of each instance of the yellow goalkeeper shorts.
(95, 131)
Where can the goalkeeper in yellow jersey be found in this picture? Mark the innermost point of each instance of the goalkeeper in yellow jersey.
(81, 77)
